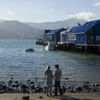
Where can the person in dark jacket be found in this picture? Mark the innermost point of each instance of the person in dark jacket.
(57, 78)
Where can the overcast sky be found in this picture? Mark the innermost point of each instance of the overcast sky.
(49, 10)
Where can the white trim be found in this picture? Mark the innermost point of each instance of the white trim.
(77, 33)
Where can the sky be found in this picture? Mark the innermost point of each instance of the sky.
(49, 10)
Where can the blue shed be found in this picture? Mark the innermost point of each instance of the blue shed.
(53, 35)
(88, 33)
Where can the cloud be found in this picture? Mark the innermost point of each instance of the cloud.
(84, 15)
(52, 10)
(10, 12)
(97, 4)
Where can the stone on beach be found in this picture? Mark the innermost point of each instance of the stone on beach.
(30, 86)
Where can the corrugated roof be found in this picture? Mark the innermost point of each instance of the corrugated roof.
(85, 27)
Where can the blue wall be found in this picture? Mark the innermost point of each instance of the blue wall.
(80, 39)
(97, 33)
(97, 29)
(48, 37)
(53, 35)
(57, 37)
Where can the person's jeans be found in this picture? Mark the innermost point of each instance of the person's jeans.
(57, 85)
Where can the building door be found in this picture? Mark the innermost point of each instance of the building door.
(90, 36)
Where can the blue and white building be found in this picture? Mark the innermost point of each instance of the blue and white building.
(53, 35)
(88, 33)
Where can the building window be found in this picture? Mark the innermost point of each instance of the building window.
(71, 37)
(97, 37)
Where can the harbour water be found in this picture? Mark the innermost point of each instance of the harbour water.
(14, 61)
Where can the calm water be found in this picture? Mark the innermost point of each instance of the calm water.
(23, 65)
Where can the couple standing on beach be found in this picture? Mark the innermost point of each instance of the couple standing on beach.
(50, 76)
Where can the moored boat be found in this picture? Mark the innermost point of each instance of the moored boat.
(50, 46)
(29, 50)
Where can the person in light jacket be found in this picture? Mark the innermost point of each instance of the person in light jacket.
(48, 77)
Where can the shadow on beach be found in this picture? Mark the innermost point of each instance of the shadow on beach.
(69, 98)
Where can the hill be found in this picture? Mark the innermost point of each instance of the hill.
(58, 24)
(23, 30)
(18, 30)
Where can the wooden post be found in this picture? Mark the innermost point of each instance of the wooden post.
(86, 48)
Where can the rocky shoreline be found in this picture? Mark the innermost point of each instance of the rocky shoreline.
(29, 86)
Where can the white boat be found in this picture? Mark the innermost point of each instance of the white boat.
(50, 46)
